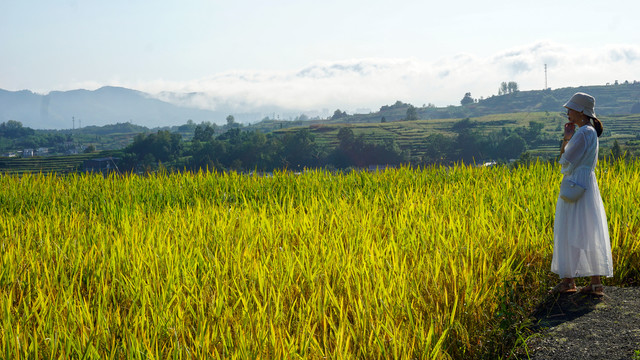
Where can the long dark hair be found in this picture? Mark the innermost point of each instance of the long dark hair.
(597, 124)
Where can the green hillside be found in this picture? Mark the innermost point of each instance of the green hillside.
(610, 100)
(621, 99)
(617, 105)
(412, 135)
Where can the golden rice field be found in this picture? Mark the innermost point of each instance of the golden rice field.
(402, 263)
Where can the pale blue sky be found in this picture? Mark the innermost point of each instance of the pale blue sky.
(362, 53)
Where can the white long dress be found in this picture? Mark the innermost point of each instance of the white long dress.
(581, 245)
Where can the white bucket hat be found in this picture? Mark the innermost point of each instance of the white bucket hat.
(583, 103)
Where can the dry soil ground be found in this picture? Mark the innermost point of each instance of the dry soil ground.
(587, 327)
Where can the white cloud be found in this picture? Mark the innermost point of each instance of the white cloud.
(370, 83)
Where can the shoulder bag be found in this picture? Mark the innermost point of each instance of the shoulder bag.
(571, 191)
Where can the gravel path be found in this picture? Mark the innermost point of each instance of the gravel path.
(587, 327)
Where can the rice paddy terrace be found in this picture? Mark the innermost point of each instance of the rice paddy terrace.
(62, 164)
(412, 135)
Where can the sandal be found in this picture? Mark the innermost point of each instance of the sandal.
(593, 289)
(564, 288)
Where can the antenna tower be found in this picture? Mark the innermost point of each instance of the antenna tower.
(545, 77)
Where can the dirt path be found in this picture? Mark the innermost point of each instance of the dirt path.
(586, 327)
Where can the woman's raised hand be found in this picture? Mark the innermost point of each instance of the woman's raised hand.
(569, 129)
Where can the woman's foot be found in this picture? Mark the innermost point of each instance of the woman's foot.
(593, 289)
(564, 288)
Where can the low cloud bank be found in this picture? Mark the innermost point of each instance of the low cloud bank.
(370, 83)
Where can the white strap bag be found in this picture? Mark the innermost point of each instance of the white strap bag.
(571, 191)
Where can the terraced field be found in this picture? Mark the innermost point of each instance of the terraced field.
(413, 134)
(46, 165)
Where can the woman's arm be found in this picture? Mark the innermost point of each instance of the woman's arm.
(569, 130)
(573, 151)
(564, 144)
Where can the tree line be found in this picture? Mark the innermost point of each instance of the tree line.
(241, 150)
(13, 135)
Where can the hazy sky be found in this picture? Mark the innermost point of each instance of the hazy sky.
(350, 54)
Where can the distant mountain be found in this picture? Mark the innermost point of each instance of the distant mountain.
(107, 105)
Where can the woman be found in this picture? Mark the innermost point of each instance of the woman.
(580, 234)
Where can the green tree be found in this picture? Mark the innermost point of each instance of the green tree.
(342, 156)
(346, 137)
(511, 147)
(439, 149)
(508, 88)
(355, 151)
(525, 158)
(299, 150)
(161, 146)
(397, 105)
(189, 126)
(412, 113)
(469, 146)
(338, 114)
(236, 149)
(463, 125)
(534, 131)
(203, 132)
(616, 151)
(13, 129)
(503, 90)
(467, 99)
(207, 155)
